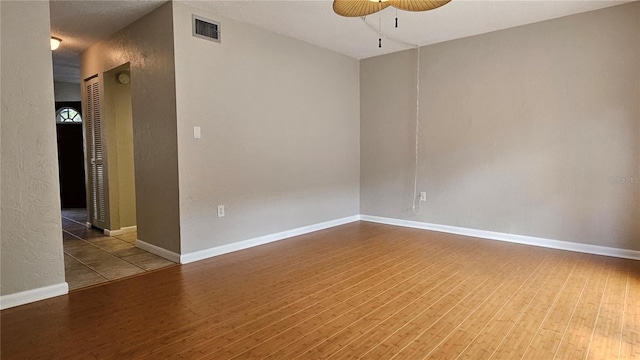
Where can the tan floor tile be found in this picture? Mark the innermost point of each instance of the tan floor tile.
(128, 252)
(118, 272)
(71, 264)
(92, 258)
(86, 234)
(148, 261)
(74, 243)
(71, 224)
(82, 277)
(68, 236)
(84, 251)
(112, 244)
(104, 261)
(128, 237)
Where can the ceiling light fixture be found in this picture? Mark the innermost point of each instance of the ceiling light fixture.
(359, 8)
(356, 8)
(55, 42)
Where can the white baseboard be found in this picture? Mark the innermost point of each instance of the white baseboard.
(121, 231)
(520, 239)
(261, 240)
(169, 255)
(484, 234)
(128, 229)
(112, 232)
(29, 296)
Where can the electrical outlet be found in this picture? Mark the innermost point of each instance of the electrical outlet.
(220, 210)
(423, 196)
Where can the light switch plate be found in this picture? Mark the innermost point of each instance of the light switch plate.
(196, 132)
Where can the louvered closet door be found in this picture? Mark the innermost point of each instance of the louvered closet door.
(96, 150)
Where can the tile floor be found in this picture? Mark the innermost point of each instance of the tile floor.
(91, 258)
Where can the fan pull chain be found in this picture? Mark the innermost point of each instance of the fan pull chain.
(396, 18)
(379, 24)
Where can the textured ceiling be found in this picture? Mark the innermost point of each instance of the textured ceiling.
(81, 23)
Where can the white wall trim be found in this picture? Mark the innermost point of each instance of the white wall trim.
(241, 245)
(112, 232)
(169, 255)
(29, 296)
(121, 231)
(520, 239)
(483, 234)
(128, 229)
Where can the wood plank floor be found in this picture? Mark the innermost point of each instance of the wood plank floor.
(361, 290)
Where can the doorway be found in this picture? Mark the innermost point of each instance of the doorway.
(71, 163)
(118, 123)
(110, 151)
(71, 155)
(99, 240)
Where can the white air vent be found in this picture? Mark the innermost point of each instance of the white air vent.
(206, 29)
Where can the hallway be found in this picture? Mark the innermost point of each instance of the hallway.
(91, 258)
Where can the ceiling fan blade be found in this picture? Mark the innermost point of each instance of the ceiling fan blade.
(356, 8)
(417, 5)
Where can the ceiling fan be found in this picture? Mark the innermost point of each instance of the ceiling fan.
(356, 8)
(361, 8)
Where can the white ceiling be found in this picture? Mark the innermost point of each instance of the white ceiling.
(81, 23)
(314, 21)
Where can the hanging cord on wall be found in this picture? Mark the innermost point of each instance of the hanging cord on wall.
(417, 145)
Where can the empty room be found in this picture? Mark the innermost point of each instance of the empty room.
(320, 179)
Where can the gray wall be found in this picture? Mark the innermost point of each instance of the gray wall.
(148, 45)
(66, 91)
(280, 133)
(532, 130)
(31, 233)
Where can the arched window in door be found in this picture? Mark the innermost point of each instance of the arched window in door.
(68, 115)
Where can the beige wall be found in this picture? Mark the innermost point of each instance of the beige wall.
(31, 230)
(66, 91)
(147, 45)
(280, 125)
(118, 118)
(527, 130)
(127, 186)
